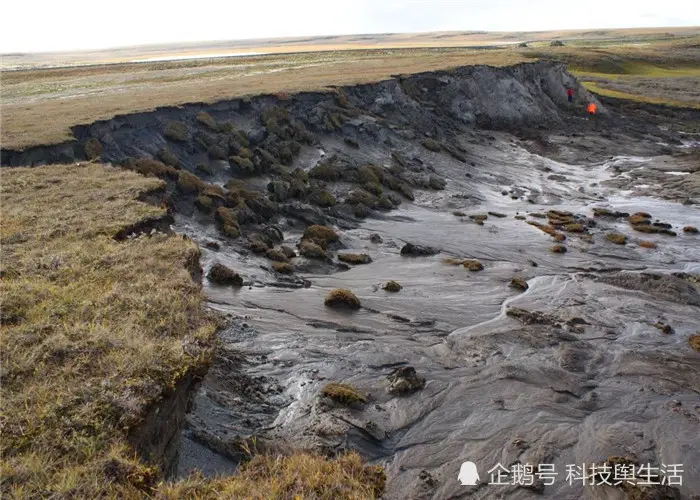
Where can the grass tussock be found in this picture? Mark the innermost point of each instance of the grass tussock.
(639, 218)
(206, 119)
(617, 238)
(558, 249)
(472, 265)
(222, 275)
(190, 183)
(354, 258)
(283, 267)
(167, 157)
(298, 475)
(647, 244)
(393, 286)
(519, 284)
(227, 222)
(311, 250)
(690, 230)
(574, 228)
(694, 342)
(431, 144)
(152, 168)
(98, 329)
(176, 131)
(343, 393)
(320, 233)
(653, 229)
(343, 298)
(277, 255)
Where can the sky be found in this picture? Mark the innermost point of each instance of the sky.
(51, 25)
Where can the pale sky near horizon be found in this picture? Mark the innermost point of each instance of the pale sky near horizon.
(51, 25)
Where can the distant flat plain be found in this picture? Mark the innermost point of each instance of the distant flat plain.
(43, 95)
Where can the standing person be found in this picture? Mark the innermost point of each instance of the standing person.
(570, 94)
(592, 108)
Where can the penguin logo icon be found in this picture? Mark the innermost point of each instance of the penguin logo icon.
(468, 475)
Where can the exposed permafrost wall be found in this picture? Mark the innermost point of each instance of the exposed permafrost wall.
(439, 104)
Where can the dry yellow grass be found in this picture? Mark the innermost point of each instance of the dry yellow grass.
(95, 330)
(301, 475)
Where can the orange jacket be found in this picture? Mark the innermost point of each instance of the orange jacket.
(591, 108)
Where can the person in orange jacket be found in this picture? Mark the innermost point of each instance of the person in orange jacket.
(592, 108)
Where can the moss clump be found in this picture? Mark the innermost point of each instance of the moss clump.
(217, 152)
(519, 284)
(276, 255)
(167, 157)
(176, 131)
(694, 342)
(647, 244)
(93, 149)
(204, 168)
(558, 249)
(472, 265)
(283, 267)
(321, 233)
(244, 165)
(604, 212)
(451, 261)
(373, 187)
(222, 275)
(324, 172)
(206, 119)
(639, 218)
(204, 203)
(289, 252)
(360, 196)
(574, 228)
(545, 228)
(343, 393)
(370, 173)
(617, 238)
(322, 198)
(354, 258)
(559, 237)
(690, 230)
(189, 183)
(392, 286)
(479, 218)
(653, 229)
(228, 222)
(431, 144)
(152, 168)
(342, 298)
(312, 250)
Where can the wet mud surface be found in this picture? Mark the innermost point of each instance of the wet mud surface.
(573, 370)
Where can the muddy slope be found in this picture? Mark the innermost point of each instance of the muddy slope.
(585, 356)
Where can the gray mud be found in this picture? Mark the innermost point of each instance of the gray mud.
(591, 378)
